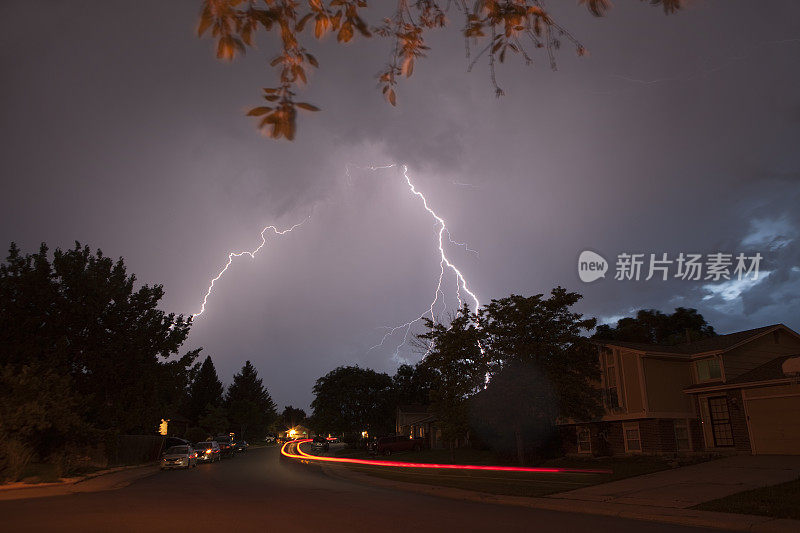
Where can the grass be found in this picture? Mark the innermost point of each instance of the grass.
(777, 501)
(508, 483)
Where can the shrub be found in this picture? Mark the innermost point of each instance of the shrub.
(14, 457)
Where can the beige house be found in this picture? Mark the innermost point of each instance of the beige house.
(736, 392)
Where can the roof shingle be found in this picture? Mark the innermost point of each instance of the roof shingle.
(708, 344)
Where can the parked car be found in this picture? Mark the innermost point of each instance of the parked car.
(390, 445)
(182, 456)
(169, 442)
(208, 451)
(226, 445)
(320, 443)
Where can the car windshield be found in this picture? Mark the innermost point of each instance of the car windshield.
(177, 450)
(319, 439)
(204, 445)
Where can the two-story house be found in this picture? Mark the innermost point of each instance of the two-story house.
(736, 392)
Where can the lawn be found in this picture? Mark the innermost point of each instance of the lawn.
(778, 501)
(508, 483)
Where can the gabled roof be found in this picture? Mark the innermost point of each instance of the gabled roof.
(719, 343)
(769, 370)
(416, 408)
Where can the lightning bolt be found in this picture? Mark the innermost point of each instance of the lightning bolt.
(252, 255)
(463, 290)
(445, 264)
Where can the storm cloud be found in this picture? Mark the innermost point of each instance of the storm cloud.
(676, 134)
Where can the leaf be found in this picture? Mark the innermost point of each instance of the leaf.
(346, 33)
(392, 97)
(258, 111)
(302, 22)
(408, 66)
(205, 22)
(312, 60)
(307, 107)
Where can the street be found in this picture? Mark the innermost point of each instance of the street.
(260, 491)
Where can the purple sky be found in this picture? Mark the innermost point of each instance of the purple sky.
(676, 134)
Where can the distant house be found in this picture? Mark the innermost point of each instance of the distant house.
(419, 422)
(735, 393)
(297, 432)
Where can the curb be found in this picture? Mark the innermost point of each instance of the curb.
(67, 482)
(685, 517)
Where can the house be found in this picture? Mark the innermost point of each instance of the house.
(729, 393)
(297, 432)
(417, 421)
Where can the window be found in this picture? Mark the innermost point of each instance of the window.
(708, 369)
(682, 443)
(720, 421)
(584, 440)
(633, 442)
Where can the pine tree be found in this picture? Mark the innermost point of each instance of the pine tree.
(249, 405)
(206, 390)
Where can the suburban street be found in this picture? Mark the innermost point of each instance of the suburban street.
(260, 491)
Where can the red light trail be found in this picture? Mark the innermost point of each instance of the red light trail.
(400, 464)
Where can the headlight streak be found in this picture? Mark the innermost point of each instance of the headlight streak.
(303, 456)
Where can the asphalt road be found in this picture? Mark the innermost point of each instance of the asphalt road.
(261, 491)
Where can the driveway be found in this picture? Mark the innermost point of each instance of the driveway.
(688, 486)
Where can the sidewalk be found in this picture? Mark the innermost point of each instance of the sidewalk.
(685, 487)
(639, 511)
(111, 479)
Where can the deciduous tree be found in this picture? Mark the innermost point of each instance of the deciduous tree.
(651, 326)
(548, 335)
(350, 399)
(491, 29)
(81, 316)
(458, 369)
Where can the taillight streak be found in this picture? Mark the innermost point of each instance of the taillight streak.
(400, 464)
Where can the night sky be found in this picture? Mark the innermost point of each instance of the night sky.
(676, 134)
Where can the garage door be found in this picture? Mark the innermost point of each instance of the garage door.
(775, 424)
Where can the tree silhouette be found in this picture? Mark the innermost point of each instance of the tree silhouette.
(458, 369)
(80, 317)
(350, 399)
(249, 406)
(651, 326)
(206, 390)
(547, 335)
